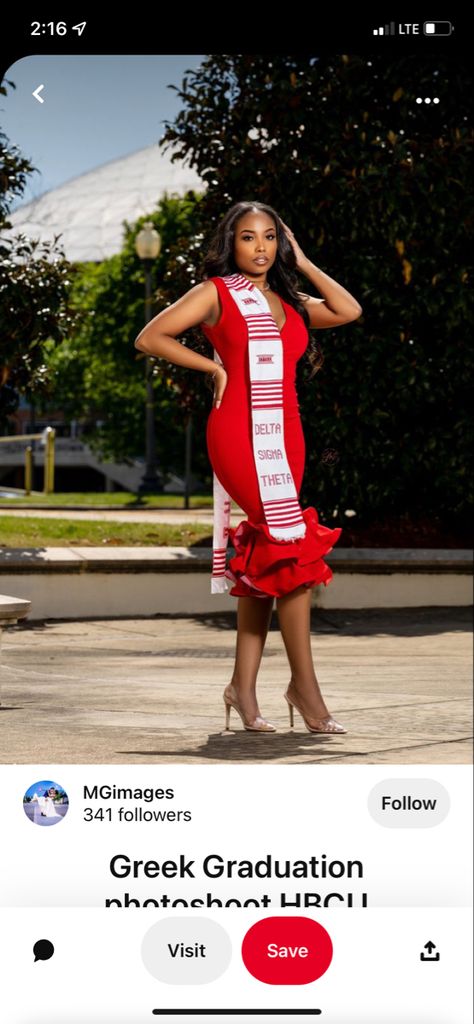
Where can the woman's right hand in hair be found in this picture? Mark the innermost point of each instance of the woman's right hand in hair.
(220, 384)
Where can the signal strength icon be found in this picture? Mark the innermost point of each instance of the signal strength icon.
(385, 30)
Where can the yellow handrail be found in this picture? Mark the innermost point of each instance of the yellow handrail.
(28, 469)
(48, 437)
(8, 438)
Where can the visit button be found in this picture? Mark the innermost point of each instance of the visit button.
(287, 950)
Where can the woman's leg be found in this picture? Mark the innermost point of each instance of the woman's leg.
(294, 610)
(253, 621)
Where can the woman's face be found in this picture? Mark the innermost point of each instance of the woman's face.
(255, 244)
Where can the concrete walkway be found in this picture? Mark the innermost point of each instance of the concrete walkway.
(149, 690)
(132, 515)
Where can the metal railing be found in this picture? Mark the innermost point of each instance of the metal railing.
(47, 438)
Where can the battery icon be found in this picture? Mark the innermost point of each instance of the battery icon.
(437, 28)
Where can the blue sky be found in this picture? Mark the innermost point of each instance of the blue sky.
(40, 787)
(96, 108)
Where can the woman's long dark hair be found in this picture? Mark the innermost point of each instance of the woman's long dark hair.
(282, 275)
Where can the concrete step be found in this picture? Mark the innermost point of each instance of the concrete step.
(80, 582)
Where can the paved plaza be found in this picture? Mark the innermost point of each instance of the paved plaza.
(149, 690)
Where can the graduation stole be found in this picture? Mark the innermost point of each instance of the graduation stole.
(282, 510)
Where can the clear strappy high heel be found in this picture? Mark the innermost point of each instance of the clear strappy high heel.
(324, 725)
(257, 724)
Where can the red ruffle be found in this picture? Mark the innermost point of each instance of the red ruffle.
(265, 567)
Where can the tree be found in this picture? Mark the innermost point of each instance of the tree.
(99, 375)
(34, 289)
(375, 187)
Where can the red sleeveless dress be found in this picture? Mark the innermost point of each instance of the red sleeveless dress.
(275, 567)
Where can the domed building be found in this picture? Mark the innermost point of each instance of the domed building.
(88, 211)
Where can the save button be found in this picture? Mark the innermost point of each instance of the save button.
(287, 950)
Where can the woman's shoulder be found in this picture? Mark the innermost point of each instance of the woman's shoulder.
(218, 281)
(220, 292)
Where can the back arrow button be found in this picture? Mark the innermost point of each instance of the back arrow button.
(36, 94)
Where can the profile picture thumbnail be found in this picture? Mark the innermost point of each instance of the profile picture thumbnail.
(45, 803)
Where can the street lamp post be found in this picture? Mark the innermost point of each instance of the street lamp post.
(148, 246)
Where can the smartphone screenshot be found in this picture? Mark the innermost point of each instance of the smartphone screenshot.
(235, 519)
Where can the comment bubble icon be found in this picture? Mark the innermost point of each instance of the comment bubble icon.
(43, 950)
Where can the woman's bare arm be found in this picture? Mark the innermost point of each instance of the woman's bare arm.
(158, 338)
(338, 306)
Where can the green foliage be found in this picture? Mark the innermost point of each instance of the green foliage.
(14, 170)
(375, 188)
(34, 287)
(100, 376)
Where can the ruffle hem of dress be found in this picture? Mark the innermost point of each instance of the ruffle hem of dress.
(265, 567)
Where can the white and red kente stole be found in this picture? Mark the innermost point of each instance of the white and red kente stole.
(278, 493)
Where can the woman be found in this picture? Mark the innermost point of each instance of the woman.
(45, 803)
(258, 326)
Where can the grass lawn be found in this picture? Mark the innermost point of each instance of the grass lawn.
(114, 499)
(42, 532)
